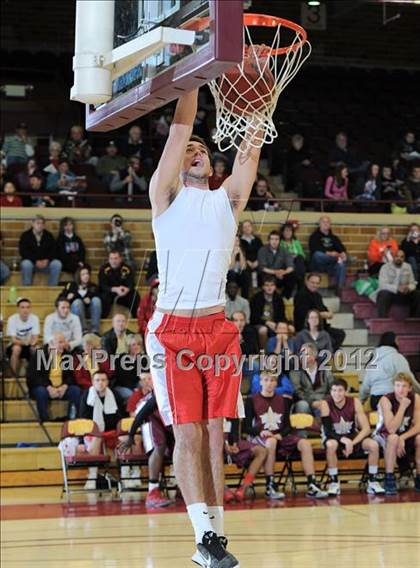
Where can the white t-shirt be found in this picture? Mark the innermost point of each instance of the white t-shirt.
(22, 330)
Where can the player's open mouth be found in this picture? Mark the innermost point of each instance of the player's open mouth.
(197, 162)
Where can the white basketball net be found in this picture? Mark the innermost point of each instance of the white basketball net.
(255, 125)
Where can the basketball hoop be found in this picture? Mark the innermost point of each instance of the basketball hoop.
(246, 95)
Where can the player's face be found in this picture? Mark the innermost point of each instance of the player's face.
(338, 393)
(268, 384)
(401, 389)
(197, 160)
(24, 309)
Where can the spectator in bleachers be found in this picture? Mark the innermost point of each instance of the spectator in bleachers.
(119, 239)
(314, 332)
(397, 286)
(70, 248)
(311, 383)
(117, 286)
(77, 149)
(23, 330)
(267, 309)
(4, 269)
(407, 150)
(116, 340)
(38, 187)
(111, 163)
(134, 145)
(278, 262)
(382, 249)
(412, 189)
(130, 180)
(281, 343)
(9, 199)
(328, 254)
(391, 187)
(292, 244)
(62, 181)
(38, 250)
(52, 382)
(341, 153)
(308, 298)
(147, 307)
(98, 404)
(336, 186)
(377, 380)
(237, 268)
(411, 247)
(84, 298)
(18, 148)
(235, 302)
(298, 158)
(371, 187)
(267, 422)
(345, 432)
(219, 174)
(397, 431)
(22, 177)
(251, 244)
(248, 338)
(64, 322)
(261, 197)
(126, 374)
(54, 157)
(152, 268)
(83, 373)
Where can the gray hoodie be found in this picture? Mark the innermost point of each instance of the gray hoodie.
(378, 381)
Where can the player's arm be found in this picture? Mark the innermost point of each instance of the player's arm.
(327, 424)
(166, 182)
(362, 422)
(392, 423)
(415, 428)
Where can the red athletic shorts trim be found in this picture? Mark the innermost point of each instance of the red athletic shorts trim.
(190, 388)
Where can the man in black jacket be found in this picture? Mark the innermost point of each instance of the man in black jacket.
(308, 298)
(52, 381)
(116, 340)
(278, 262)
(267, 309)
(328, 254)
(38, 248)
(116, 284)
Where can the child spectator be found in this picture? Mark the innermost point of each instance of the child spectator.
(336, 186)
(23, 330)
(281, 343)
(381, 250)
(294, 247)
(64, 322)
(70, 248)
(9, 199)
(147, 307)
(219, 173)
(83, 295)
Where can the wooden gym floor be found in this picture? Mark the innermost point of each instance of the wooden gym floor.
(39, 530)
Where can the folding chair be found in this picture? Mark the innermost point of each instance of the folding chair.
(75, 429)
(128, 458)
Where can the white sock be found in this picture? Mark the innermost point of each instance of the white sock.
(200, 520)
(153, 486)
(216, 516)
(93, 473)
(373, 469)
(332, 471)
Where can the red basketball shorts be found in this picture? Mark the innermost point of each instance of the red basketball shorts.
(195, 366)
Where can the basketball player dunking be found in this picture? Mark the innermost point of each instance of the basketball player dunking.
(194, 230)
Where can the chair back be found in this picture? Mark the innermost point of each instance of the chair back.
(80, 427)
(301, 420)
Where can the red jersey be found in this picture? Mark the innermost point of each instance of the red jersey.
(343, 419)
(407, 418)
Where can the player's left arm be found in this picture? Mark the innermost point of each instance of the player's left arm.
(415, 428)
(361, 421)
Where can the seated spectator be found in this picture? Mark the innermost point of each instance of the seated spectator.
(54, 157)
(129, 180)
(381, 250)
(147, 307)
(40, 199)
(23, 331)
(294, 247)
(22, 178)
(267, 422)
(281, 343)
(126, 374)
(116, 284)
(308, 298)
(311, 383)
(250, 244)
(412, 189)
(64, 322)
(262, 198)
(134, 145)
(345, 432)
(98, 404)
(278, 262)
(37, 247)
(378, 378)
(235, 302)
(391, 187)
(4, 269)
(397, 431)
(314, 332)
(407, 150)
(77, 149)
(119, 239)
(18, 148)
(341, 153)
(9, 199)
(337, 186)
(92, 361)
(116, 340)
(237, 268)
(152, 268)
(298, 158)
(397, 286)
(70, 248)
(52, 381)
(267, 309)
(248, 338)
(83, 295)
(284, 384)
(411, 248)
(219, 174)
(328, 254)
(65, 182)
(110, 164)
(371, 189)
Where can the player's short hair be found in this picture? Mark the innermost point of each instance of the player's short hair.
(403, 377)
(269, 374)
(195, 138)
(340, 383)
